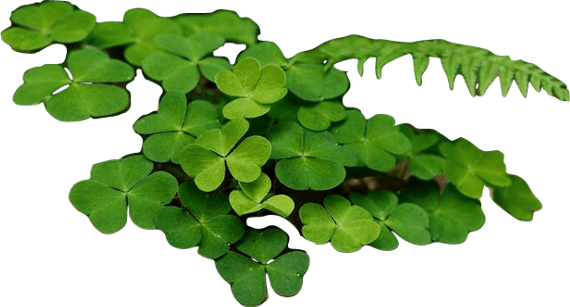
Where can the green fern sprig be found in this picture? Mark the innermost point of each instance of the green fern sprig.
(479, 67)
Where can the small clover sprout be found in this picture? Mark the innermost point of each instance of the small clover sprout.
(137, 32)
(470, 169)
(517, 199)
(214, 149)
(179, 69)
(374, 141)
(452, 215)
(202, 220)
(91, 92)
(245, 271)
(38, 25)
(221, 22)
(257, 88)
(117, 184)
(174, 126)
(254, 197)
(308, 160)
(347, 227)
(407, 220)
(423, 162)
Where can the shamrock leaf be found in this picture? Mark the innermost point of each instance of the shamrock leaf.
(470, 169)
(422, 163)
(203, 221)
(137, 32)
(319, 116)
(374, 141)
(254, 197)
(38, 25)
(307, 160)
(117, 184)
(407, 220)
(178, 70)
(221, 22)
(175, 126)
(347, 227)
(257, 88)
(246, 272)
(517, 199)
(214, 149)
(81, 99)
(452, 215)
(312, 82)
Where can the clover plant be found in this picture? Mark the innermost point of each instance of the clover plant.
(264, 134)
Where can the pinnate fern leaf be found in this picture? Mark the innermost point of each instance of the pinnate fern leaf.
(479, 67)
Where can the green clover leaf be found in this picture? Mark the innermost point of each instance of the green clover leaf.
(257, 88)
(307, 160)
(347, 227)
(38, 25)
(422, 163)
(374, 141)
(221, 22)
(254, 197)
(469, 168)
(320, 116)
(407, 220)
(203, 221)
(452, 215)
(115, 185)
(517, 199)
(312, 82)
(265, 53)
(82, 99)
(246, 272)
(178, 70)
(137, 32)
(214, 149)
(175, 126)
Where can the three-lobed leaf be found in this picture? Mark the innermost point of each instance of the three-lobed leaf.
(115, 185)
(206, 160)
(175, 125)
(38, 25)
(347, 227)
(469, 168)
(254, 197)
(202, 221)
(246, 273)
(90, 91)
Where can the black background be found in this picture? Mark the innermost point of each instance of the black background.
(45, 157)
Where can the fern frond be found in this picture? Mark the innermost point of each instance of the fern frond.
(479, 67)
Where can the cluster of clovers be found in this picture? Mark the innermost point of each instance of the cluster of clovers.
(265, 135)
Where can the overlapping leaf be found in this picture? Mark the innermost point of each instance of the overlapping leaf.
(254, 197)
(175, 126)
(308, 160)
(320, 116)
(91, 92)
(221, 22)
(255, 86)
(137, 32)
(246, 272)
(424, 161)
(517, 199)
(452, 215)
(179, 68)
(203, 221)
(374, 141)
(115, 185)
(207, 159)
(347, 227)
(407, 220)
(470, 169)
(38, 25)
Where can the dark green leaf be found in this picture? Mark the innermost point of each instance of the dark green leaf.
(517, 199)
(312, 82)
